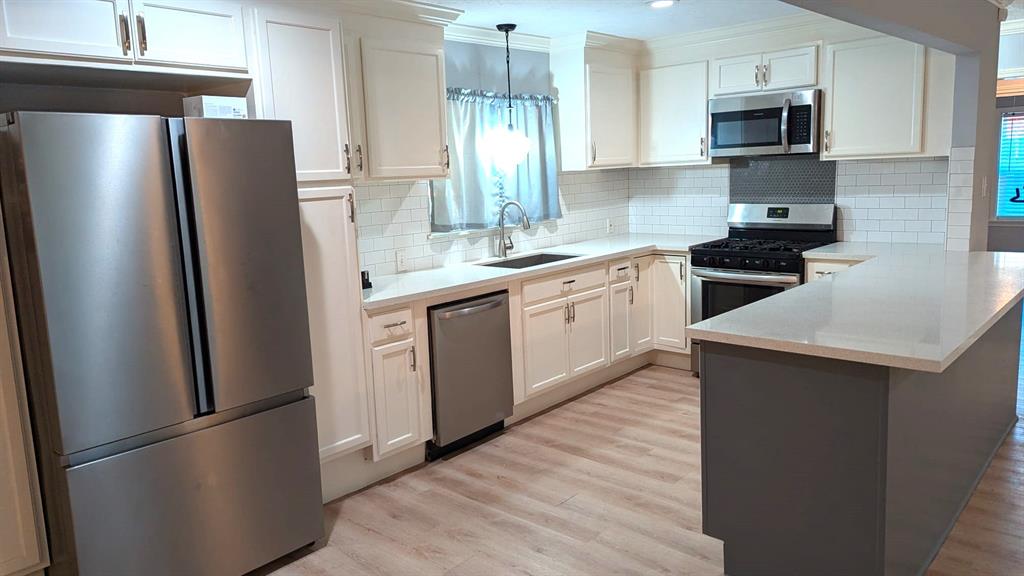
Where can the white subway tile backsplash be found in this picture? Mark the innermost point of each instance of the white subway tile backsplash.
(900, 200)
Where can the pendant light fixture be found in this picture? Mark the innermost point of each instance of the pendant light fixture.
(507, 147)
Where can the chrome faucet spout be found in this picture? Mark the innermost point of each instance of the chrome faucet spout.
(505, 244)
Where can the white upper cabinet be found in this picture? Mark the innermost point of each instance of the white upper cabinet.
(674, 114)
(183, 32)
(404, 103)
(768, 71)
(191, 33)
(303, 80)
(737, 74)
(96, 28)
(793, 68)
(594, 78)
(875, 98)
(611, 124)
(334, 298)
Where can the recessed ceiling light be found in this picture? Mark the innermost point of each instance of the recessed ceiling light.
(661, 3)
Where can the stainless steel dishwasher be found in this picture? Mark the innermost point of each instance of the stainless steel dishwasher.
(470, 371)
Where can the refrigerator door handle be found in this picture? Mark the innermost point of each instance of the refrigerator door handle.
(194, 302)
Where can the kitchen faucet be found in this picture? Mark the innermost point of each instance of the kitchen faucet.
(505, 244)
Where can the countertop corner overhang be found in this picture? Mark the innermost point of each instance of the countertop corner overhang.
(917, 308)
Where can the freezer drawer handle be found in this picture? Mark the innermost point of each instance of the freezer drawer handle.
(471, 310)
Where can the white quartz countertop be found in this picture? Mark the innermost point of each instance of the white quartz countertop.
(914, 308)
(408, 286)
(860, 251)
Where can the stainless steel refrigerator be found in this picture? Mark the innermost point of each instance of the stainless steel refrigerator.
(157, 278)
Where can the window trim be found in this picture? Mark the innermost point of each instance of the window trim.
(994, 219)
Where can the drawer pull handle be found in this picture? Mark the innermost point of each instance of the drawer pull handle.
(622, 268)
(394, 325)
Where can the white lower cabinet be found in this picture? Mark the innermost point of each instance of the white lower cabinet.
(620, 300)
(545, 344)
(396, 396)
(641, 320)
(333, 297)
(669, 280)
(588, 331)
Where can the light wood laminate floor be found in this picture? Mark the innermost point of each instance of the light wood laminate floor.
(606, 484)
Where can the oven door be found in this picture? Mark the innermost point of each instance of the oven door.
(714, 291)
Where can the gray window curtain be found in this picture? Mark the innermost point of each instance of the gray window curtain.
(475, 190)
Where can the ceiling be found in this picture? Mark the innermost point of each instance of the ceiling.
(629, 18)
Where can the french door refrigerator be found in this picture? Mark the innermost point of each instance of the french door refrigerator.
(155, 268)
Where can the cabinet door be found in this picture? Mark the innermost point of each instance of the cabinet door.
(22, 534)
(71, 27)
(396, 397)
(207, 33)
(334, 299)
(736, 74)
(790, 68)
(875, 104)
(303, 76)
(611, 118)
(641, 327)
(674, 114)
(620, 297)
(588, 331)
(545, 344)
(669, 274)
(404, 100)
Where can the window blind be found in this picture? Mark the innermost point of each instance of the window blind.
(1010, 195)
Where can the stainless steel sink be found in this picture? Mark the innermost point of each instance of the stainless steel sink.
(530, 261)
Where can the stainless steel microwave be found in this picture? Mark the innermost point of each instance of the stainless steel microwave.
(782, 123)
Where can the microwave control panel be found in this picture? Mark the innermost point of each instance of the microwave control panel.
(799, 127)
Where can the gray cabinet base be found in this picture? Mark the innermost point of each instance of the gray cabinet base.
(816, 466)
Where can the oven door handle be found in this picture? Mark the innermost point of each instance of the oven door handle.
(785, 125)
(746, 278)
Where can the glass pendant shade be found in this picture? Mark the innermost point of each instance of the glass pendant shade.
(506, 147)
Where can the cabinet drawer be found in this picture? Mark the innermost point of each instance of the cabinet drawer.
(563, 284)
(391, 325)
(618, 271)
(816, 270)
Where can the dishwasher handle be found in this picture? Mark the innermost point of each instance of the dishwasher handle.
(457, 313)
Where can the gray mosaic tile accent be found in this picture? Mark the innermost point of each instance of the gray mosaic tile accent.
(782, 180)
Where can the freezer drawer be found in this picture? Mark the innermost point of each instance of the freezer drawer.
(220, 501)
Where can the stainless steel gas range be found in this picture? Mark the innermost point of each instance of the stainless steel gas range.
(762, 256)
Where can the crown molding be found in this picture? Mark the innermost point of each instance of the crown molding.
(597, 40)
(408, 10)
(781, 24)
(491, 37)
(1011, 27)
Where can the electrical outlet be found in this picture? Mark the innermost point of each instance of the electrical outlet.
(401, 261)
(608, 225)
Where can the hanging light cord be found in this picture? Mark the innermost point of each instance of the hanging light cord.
(508, 76)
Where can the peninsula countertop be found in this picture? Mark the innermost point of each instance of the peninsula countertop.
(916, 308)
(409, 286)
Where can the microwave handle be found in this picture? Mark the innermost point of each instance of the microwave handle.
(785, 126)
